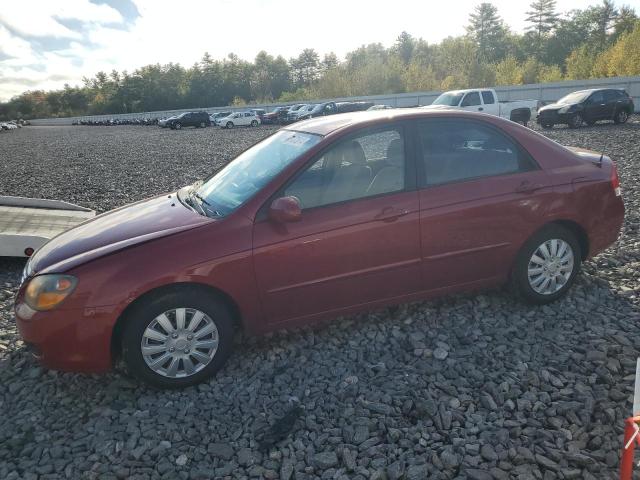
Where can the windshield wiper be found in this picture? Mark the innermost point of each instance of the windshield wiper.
(203, 201)
(194, 205)
(201, 198)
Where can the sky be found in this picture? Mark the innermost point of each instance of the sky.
(47, 43)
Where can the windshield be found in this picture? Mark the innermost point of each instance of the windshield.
(575, 97)
(450, 99)
(252, 170)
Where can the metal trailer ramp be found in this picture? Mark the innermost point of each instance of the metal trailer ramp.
(28, 223)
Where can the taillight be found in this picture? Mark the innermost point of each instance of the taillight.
(615, 180)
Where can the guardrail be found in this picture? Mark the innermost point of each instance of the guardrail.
(545, 92)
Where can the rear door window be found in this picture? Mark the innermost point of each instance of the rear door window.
(487, 97)
(461, 150)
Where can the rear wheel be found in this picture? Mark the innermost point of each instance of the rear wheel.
(202, 124)
(621, 117)
(576, 120)
(547, 265)
(229, 124)
(178, 126)
(177, 339)
(591, 123)
(254, 123)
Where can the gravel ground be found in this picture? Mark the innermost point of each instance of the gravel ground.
(476, 387)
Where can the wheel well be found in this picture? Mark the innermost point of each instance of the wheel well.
(579, 232)
(172, 288)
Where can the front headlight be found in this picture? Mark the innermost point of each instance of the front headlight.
(45, 292)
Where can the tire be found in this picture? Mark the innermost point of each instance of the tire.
(178, 126)
(576, 120)
(203, 125)
(143, 318)
(547, 126)
(229, 125)
(621, 117)
(529, 276)
(254, 123)
(591, 123)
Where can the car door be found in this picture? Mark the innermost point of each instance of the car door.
(596, 107)
(489, 103)
(472, 102)
(612, 100)
(357, 242)
(481, 196)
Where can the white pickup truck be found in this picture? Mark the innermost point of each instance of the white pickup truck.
(485, 100)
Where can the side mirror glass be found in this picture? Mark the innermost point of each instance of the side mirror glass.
(285, 209)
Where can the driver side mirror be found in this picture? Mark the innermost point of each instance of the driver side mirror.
(285, 209)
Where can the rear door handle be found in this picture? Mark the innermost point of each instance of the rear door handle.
(480, 109)
(528, 187)
(390, 214)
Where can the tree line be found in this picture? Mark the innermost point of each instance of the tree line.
(602, 40)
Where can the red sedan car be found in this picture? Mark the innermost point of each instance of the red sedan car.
(328, 217)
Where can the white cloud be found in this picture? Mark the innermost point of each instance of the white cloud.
(39, 18)
(13, 46)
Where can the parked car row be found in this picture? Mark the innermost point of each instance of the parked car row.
(303, 111)
(203, 119)
(576, 109)
(12, 125)
(117, 121)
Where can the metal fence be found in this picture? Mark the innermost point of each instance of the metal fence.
(545, 92)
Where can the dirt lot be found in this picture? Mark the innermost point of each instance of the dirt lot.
(475, 387)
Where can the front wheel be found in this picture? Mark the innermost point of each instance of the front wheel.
(178, 126)
(547, 265)
(547, 126)
(203, 125)
(177, 339)
(576, 120)
(621, 117)
(229, 124)
(254, 123)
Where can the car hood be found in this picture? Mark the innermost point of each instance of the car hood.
(115, 230)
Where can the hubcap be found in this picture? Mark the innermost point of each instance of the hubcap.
(180, 342)
(550, 266)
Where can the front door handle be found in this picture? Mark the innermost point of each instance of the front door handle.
(528, 187)
(480, 109)
(391, 214)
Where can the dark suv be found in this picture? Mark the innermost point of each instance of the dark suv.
(587, 106)
(190, 119)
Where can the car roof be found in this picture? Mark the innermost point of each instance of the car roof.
(329, 124)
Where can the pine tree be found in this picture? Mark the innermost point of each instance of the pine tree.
(487, 30)
(542, 19)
